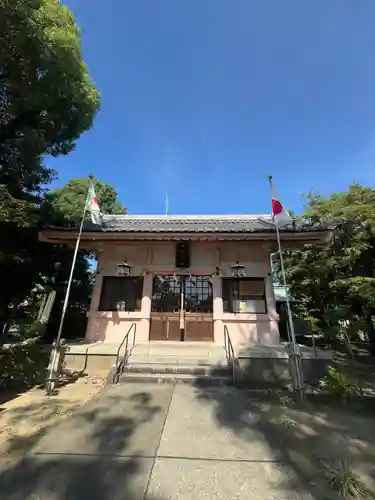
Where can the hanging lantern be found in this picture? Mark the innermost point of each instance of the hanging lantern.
(123, 268)
(238, 270)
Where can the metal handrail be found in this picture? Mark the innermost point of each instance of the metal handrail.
(120, 364)
(231, 355)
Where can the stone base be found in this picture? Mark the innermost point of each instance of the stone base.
(272, 366)
(92, 358)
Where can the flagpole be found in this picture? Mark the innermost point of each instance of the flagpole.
(50, 387)
(166, 203)
(289, 310)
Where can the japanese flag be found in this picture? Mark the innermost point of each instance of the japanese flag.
(93, 206)
(281, 216)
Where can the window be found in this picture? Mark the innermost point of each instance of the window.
(166, 294)
(121, 294)
(197, 293)
(244, 295)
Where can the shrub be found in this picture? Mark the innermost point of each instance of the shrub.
(287, 421)
(24, 363)
(286, 401)
(337, 384)
(344, 482)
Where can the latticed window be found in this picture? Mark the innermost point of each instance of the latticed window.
(198, 294)
(121, 293)
(194, 291)
(166, 294)
(244, 295)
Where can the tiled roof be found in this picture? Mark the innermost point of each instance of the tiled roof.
(188, 224)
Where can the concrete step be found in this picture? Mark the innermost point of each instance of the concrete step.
(180, 349)
(168, 359)
(178, 369)
(180, 378)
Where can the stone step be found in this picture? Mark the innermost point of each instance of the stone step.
(177, 369)
(180, 349)
(177, 360)
(181, 378)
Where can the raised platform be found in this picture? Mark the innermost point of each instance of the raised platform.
(256, 365)
(271, 365)
(281, 351)
(92, 357)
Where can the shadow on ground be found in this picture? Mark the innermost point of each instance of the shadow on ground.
(77, 478)
(31, 423)
(102, 472)
(325, 429)
(13, 390)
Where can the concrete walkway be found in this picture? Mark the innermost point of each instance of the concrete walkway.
(156, 442)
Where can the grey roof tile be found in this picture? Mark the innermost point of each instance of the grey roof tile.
(187, 224)
(183, 224)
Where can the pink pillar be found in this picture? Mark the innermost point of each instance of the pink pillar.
(91, 330)
(274, 336)
(143, 332)
(218, 309)
(95, 299)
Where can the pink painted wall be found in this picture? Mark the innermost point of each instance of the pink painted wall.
(112, 326)
(152, 258)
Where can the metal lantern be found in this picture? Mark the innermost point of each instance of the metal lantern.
(238, 270)
(123, 268)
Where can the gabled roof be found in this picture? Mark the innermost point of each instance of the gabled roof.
(190, 224)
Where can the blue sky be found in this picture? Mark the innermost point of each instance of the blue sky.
(204, 98)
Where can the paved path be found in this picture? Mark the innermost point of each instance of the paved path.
(156, 442)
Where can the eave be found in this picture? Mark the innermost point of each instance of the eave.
(92, 240)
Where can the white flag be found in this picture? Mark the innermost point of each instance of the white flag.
(93, 206)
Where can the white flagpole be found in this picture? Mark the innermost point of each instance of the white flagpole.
(289, 310)
(66, 300)
(166, 203)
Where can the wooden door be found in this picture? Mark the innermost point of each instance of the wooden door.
(165, 326)
(182, 308)
(199, 327)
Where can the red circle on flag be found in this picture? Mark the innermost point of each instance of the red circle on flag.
(277, 207)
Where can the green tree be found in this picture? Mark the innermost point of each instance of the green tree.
(337, 282)
(46, 98)
(47, 101)
(70, 199)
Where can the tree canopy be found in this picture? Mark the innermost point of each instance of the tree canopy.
(70, 199)
(335, 285)
(46, 98)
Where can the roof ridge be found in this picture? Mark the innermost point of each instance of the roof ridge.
(202, 217)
